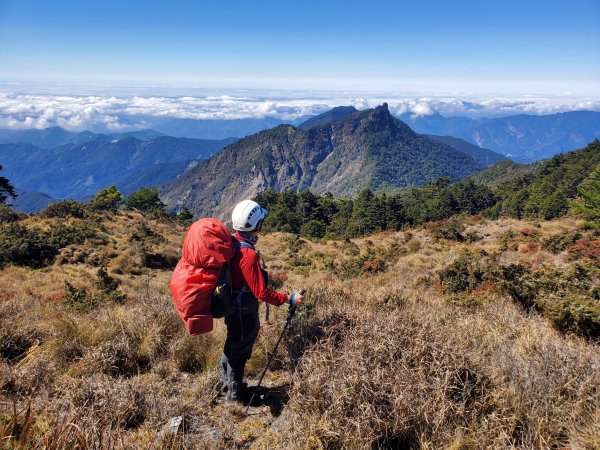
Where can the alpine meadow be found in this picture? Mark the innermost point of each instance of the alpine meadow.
(328, 225)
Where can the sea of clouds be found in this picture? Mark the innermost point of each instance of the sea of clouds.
(133, 112)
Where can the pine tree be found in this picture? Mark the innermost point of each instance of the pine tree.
(6, 189)
(589, 190)
(185, 215)
(108, 198)
(146, 199)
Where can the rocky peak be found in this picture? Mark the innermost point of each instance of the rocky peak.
(379, 119)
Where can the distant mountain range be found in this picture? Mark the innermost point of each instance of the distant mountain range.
(30, 202)
(356, 150)
(55, 136)
(219, 128)
(365, 149)
(81, 169)
(523, 138)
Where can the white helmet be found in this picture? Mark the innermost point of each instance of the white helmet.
(247, 215)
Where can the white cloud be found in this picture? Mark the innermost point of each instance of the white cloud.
(360, 103)
(110, 113)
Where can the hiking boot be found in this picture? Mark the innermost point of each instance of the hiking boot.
(238, 392)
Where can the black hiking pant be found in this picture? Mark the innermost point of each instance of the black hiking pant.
(242, 331)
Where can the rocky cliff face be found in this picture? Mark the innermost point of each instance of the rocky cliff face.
(366, 149)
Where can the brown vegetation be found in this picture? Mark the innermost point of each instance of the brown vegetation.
(417, 339)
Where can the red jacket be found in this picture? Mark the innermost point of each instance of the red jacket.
(245, 268)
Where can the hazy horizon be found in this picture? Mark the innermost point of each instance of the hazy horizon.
(126, 108)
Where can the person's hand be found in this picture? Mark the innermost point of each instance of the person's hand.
(296, 298)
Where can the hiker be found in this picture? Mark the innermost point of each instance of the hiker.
(247, 275)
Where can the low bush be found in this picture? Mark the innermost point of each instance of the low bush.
(566, 297)
(105, 289)
(368, 263)
(472, 236)
(36, 247)
(559, 242)
(586, 250)
(451, 229)
(292, 244)
(63, 209)
(464, 273)
(147, 235)
(60, 235)
(23, 246)
(573, 313)
(156, 260)
(7, 214)
(506, 239)
(79, 299)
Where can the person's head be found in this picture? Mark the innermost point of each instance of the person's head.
(248, 216)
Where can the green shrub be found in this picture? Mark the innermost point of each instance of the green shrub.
(79, 299)
(293, 244)
(516, 280)
(565, 297)
(559, 242)
(185, 216)
(464, 273)
(22, 246)
(109, 286)
(506, 240)
(106, 199)
(472, 237)
(62, 209)
(60, 235)
(368, 263)
(146, 200)
(313, 229)
(451, 229)
(299, 264)
(573, 313)
(7, 215)
(154, 260)
(146, 235)
(105, 289)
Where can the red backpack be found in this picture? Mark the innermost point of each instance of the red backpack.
(207, 247)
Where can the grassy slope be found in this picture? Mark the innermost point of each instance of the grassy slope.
(387, 358)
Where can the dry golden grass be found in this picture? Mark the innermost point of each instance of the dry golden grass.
(382, 360)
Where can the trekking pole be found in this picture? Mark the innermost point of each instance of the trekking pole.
(290, 316)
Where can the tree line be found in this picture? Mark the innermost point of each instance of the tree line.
(563, 183)
(323, 216)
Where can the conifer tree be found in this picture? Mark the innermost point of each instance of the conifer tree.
(6, 189)
(589, 190)
(108, 198)
(146, 199)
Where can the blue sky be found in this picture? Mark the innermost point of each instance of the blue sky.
(509, 47)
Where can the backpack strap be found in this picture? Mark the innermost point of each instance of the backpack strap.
(243, 244)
